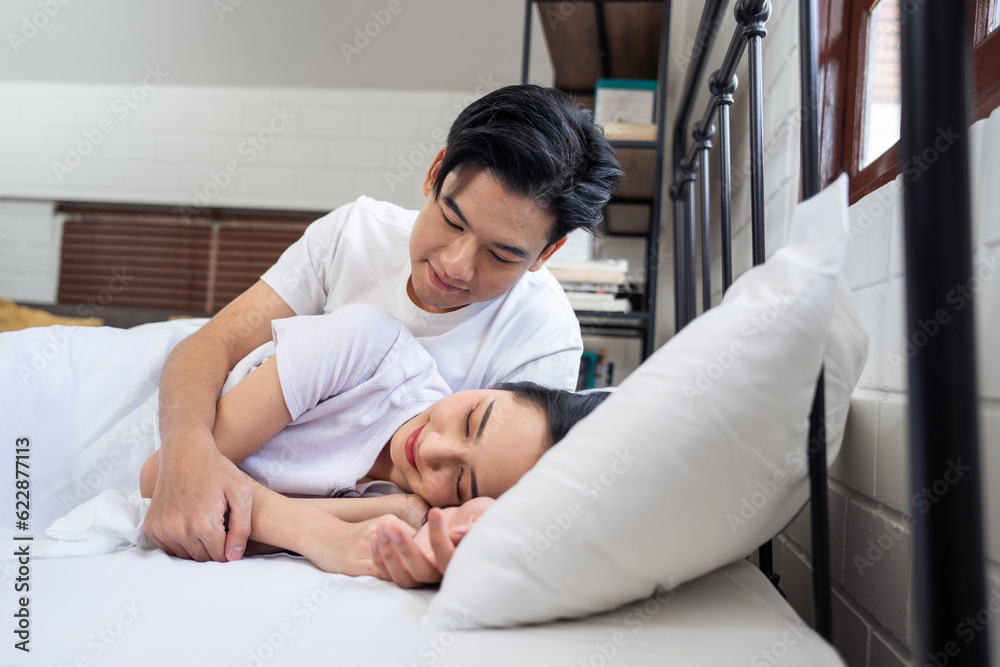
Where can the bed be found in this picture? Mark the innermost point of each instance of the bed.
(87, 602)
(617, 587)
(143, 607)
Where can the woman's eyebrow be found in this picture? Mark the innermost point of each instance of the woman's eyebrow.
(486, 417)
(482, 425)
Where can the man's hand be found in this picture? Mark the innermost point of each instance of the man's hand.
(186, 517)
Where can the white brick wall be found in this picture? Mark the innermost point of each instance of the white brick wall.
(871, 503)
(873, 469)
(30, 233)
(269, 148)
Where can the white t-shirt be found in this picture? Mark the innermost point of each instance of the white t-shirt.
(359, 253)
(349, 379)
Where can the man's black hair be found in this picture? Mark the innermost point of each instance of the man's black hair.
(540, 146)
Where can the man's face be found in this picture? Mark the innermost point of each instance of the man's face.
(474, 241)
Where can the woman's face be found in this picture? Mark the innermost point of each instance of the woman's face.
(470, 444)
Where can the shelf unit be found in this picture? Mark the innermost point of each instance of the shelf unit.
(619, 39)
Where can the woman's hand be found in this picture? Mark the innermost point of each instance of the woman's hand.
(398, 557)
(345, 549)
(411, 508)
(421, 559)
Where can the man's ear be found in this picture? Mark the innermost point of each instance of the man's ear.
(551, 248)
(432, 173)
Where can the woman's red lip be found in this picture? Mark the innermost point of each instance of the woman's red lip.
(411, 445)
(439, 283)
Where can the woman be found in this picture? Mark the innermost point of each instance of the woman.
(351, 397)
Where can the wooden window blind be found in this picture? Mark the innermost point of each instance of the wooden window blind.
(167, 258)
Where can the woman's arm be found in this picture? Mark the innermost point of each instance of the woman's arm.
(248, 416)
(409, 507)
(305, 526)
(252, 413)
(331, 544)
(197, 484)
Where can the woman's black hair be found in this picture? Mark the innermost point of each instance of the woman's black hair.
(562, 409)
(540, 146)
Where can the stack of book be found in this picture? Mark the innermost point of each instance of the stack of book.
(593, 285)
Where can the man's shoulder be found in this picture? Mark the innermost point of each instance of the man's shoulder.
(364, 215)
(369, 226)
(384, 213)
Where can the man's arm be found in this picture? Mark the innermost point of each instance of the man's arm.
(195, 483)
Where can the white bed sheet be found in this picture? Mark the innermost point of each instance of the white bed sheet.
(142, 607)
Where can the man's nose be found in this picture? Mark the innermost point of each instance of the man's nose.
(458, 259)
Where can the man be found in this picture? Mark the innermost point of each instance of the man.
(522, 167)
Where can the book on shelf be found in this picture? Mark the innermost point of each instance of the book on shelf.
(593, 285)
(577, 286)
(606, 271)
(597, 301)
(630, 131)
(625, 101)
(596, 370)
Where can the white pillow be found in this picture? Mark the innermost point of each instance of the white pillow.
(696, 459)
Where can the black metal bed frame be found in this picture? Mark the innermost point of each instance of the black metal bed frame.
(949, 567)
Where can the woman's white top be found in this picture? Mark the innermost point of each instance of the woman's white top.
(350, 379)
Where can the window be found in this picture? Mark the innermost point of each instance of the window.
(860, 79)
(880, 124)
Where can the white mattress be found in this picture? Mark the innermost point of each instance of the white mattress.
(142, 607)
